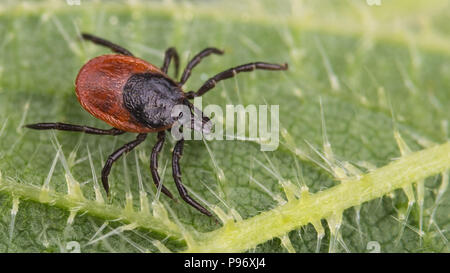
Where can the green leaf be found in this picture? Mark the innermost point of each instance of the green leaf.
(363, 156)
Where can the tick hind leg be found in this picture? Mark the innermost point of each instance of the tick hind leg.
(229, 73)
(154, 163)
(116, 155)
(106, 43)
(171, 53)
(196, 60)
(176, 171)
(74, 128)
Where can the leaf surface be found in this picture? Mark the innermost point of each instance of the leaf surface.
(367, 86)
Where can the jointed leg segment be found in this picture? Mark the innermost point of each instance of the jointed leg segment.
(116, 155)
(196, 60)
(176, 172)
(229, 73)
(106, 43)
(154, 163)
(171, 53)
(74, 128)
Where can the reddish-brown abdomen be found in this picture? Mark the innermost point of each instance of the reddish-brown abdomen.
(99, 87)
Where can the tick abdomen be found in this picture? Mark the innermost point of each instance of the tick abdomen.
(99, 88)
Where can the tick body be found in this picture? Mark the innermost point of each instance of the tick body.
(119, 90)
(132, 95)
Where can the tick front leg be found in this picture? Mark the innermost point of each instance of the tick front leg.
(74, 128)
(154, 163)
(171, 53)
(229, 73)
(116, 155)
(176, 172)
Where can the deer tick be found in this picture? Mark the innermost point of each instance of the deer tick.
(135, 96)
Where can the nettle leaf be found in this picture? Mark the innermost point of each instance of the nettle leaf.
(363, 156)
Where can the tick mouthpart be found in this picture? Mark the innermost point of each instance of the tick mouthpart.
(201, 125)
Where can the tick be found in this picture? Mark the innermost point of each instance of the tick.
(135, 96)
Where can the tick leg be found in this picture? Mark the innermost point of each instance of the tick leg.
(116, 155)
(106, 43)
(196, 60)
(171, 52)
(154, 163)
(177, 153)
(74, 128)
(211, 82)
